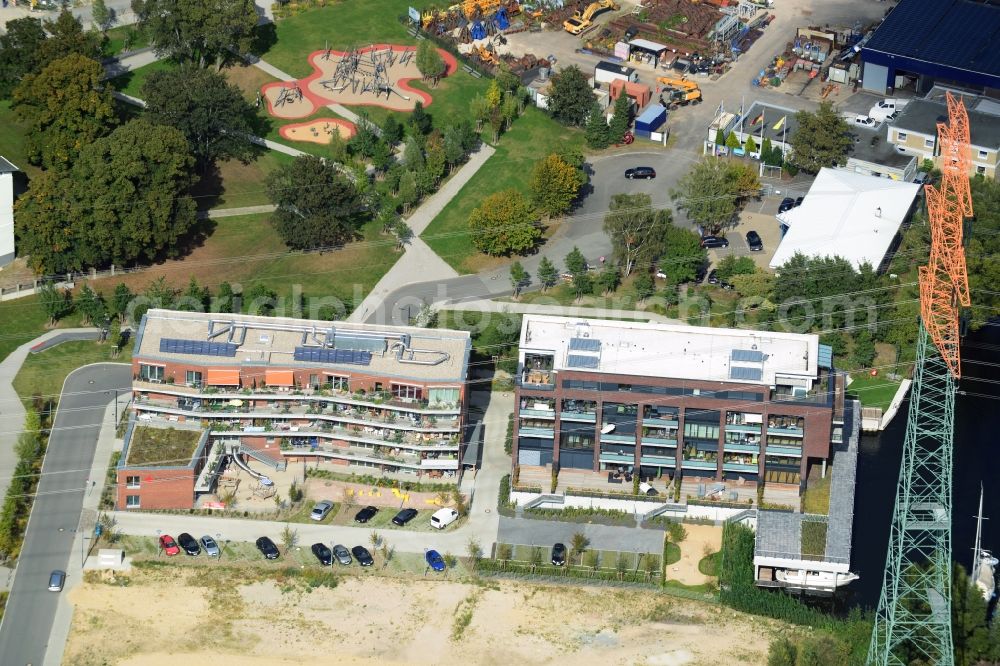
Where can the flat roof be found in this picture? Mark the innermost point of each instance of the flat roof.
(882, 152)
(647, 45)
(406, 352)
(153, 446)
(670, 350)
(959, 34)
(776, 122)
(6, 166)
(848, 215)
(615, 67)
(651, 113)
(922, 115)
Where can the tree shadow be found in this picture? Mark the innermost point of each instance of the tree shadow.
(209, 188)
(265, 35)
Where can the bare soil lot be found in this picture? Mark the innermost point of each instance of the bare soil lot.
(235, 616)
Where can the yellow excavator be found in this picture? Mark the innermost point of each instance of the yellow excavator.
(681, 92)
(582, 20)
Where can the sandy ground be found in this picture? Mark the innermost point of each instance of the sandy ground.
(701, 540)
(168, 617)
(318, 131)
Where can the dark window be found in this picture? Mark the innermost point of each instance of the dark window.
(131, 481)
(131, 501)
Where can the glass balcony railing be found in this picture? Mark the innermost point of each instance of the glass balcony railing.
(739, 467)
(693, 463)
(537, 413)
(789, 431)
(659, 441)
(741, 447)
(618, 439)
(753, 428)
(661, 461)
(582, 417)
(773, 449)
(536, 432)
(662, 422)
(617, 457)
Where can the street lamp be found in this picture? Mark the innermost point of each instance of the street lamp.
(159, 545)
(218, 542)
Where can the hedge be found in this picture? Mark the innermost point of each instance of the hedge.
(572, 514)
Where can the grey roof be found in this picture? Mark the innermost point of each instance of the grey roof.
(922, 115)
(7, 167)
(882, 152)
(771, 116)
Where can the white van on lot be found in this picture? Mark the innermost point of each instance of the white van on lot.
(442, 518)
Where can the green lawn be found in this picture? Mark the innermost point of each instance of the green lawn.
(873, 391)
(131, 83)
(816, 498)
(157, 446)
(115, 42)
(236, 184)
(43, 373)
(532, 137)
(450, 100)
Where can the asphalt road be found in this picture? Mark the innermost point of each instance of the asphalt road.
(48, 541)
(603, 537)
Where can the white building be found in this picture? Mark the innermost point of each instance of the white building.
(848, 215)
(6, 211)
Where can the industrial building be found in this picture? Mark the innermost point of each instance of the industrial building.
(935, 41)
(761, 121)
(605, 397)
(7, 171)
(387, 401)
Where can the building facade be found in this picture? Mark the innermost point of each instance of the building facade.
(7, 171)
(663, 399)
(367, 399)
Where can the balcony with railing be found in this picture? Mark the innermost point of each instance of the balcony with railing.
(658, 416)
(583, 411)
(822, 392)
(659, 436)
(789, 426)
(538, 408)
(379, 455)
(537, 372)
(700, 455)
(740, 462)
(654, 460)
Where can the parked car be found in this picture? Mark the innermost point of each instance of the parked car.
(321, 510)
(754, 242)
(342, 554)
(362, 555)
(322, 553)
(799, 200)
(442, 518)
(640, 172)
(709, 242)
(188, 543)
(56, 580)
(713, 277)
(865, 121)
(559, 554)
(365, 514)
(168, 545)
(699, 275)
(267, 548)
(404, 516)
(786, 204)
(434, 560)
(211, 548)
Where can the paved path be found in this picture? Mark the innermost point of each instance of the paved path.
(130, 63)
(486, 305)
(234, 212)
(419, 262)
(55, 516)
(603, 537)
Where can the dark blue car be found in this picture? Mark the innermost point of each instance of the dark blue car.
(434, 560)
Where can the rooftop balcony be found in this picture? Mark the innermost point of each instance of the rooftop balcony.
(379, 456)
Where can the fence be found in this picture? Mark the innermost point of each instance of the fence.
(22, 290)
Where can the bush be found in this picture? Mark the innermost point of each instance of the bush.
(508, 442)
(671, 552)
(573, 514)
(504, 507)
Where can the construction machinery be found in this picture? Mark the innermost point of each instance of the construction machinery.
(680, 92)
(582, 20)
(913, 622)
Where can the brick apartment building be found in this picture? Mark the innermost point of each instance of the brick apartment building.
(366, 399)
(724, 404)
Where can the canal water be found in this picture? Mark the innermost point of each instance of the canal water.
(977, 460)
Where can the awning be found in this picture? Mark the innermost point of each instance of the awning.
(223, 377)
(279, 377)
(647, 45)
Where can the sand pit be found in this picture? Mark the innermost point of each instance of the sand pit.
(379, 75)
(376, 620)
(318, 131)
(693, 548)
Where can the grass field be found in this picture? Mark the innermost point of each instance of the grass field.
(873, 391)
(115, 42)
(532, 137)
(24, 320)
(43, 373)
(247, 250)
(237, 184)
(131, 82)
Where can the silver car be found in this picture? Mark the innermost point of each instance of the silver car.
(56, 580)
(342, 555)
(321, 509)
(211, 548)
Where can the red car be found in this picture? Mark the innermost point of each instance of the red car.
(168, 545)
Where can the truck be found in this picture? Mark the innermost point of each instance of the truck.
(582, 20)
(886, 109)
(680, 92)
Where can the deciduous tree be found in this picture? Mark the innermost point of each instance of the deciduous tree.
(644, 285)
(571, 98)
(547, 273)
(429, 61)
(434, 156)
(67, 37)
(198, 32)
(683, 257)
(732, 265)
(756, 285)
(609, 278)
(20, 52)
(104, 16)
(710, 192)
(555, 183)
(821, 139)
(518, 277)
(504, 223)
(57, 303)
(637, 233)
(316, 205)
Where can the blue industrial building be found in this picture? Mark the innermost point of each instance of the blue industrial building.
(938, 41)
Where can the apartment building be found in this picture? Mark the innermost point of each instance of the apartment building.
(723, 404)
(368, 399)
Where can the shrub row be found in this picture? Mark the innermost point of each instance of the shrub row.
(381, 482)
(488, 566)
(30, 450)
(572, 514)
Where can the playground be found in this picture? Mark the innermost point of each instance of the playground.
(375, 75)
(320, 130)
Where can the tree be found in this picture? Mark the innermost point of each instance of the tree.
(974, 642)
(570, 97)
(743, 181)
(209, 111)
(864, 349)
(316, 205)
(289, 537)
(676, 533)
(609, 278)
(555, 183)
(708, 194)
(420, 120)
(683, 257)
(820, 292)
(454, 151)
(365, 139)
(392, 129)
(782, 653)
(643, 285)
(547, 273)
(413, 153)
(480, 110)
(20, 52)
(504, 223)
(434, 157)
(122, 201)
(225, 301)
(621, 120)
(822, 139)
(120, 301)
(67, 37)
(732, 265)
(751, 146)
(732, 141)
(575, 261)
(637, 233)
(196, 299)
(408, 192)
(198, 32)
(758, 284)
(91, 305)
(493, 95)
(67, 108)
(57, 303)
(260, 300)
(597, 133)
(104, 17)
(518, 277)
(429, 61)
(579, 543)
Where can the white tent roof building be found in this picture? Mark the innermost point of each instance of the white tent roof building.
(848, 215)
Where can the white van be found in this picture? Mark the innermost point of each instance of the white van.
(442, 518)
(886, 109)
(865, 121)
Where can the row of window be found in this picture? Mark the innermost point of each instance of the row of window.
(929, 143)
(579, 384)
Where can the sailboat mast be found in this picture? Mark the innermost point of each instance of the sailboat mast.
(976, 554)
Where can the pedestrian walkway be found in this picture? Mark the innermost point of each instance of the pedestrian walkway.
(215, 213)
(487, 305)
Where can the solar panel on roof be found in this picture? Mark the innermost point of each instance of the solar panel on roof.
(750, 374)
(197, 347)
(747, 355)
(322, 355)
(585, 344)
(825, 359)
(578, 361)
